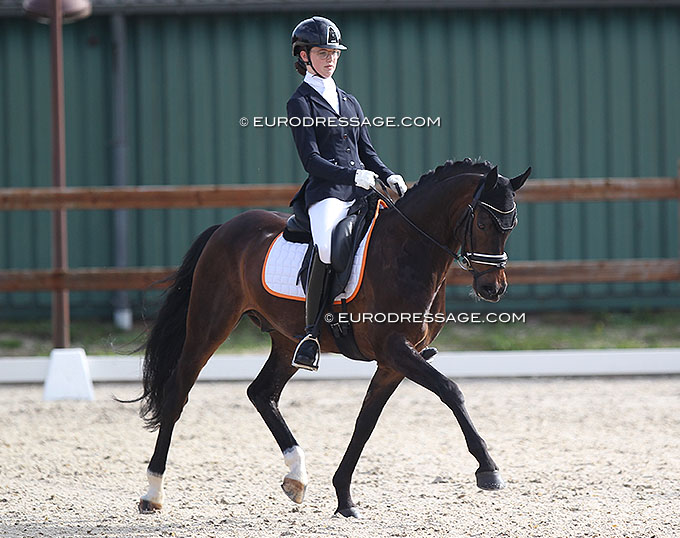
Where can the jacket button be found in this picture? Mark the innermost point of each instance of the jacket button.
(348, 150)
(344, 136)
(351, 163)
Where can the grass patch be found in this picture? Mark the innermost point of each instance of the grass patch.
(540, 331)
(10, 343)
(567, 331)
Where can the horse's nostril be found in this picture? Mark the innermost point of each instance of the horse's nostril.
(489, 290)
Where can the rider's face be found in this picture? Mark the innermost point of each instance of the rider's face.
(324, 61)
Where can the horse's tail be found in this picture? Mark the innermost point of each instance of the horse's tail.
(165, 341)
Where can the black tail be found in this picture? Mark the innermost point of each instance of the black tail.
(166, 339)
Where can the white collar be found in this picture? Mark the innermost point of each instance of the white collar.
(321, 85)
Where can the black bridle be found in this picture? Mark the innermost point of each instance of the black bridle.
(465, 257)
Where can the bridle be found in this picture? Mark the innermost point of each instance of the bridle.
(466, 257)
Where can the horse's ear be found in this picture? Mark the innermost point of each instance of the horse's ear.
(491, 179)
(518, 181)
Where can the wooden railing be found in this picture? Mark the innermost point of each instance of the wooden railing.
(519, 272)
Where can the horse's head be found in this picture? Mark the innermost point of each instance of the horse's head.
(483, 232)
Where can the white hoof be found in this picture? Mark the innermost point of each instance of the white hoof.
(294, 489)
(148, 507)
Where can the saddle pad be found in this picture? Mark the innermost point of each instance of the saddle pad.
(282, 264)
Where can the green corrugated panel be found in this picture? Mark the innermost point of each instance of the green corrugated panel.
(574, 93)
(593, 157)
(669, 46)
(647, 118)
(87, 69)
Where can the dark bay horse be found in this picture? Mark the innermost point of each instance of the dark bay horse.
(462, 204)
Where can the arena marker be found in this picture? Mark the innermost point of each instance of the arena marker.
(68, 376)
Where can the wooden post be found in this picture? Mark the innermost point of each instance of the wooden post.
(61, 318)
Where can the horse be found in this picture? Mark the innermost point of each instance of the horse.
(464, 205)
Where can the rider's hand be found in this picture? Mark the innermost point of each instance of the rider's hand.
(365, 179)
(397, 184)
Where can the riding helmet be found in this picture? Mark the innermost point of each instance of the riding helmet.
(316, 32)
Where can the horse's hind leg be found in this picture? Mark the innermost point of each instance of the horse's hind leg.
(264, 393)
(382, 386)
(403, 358)
(203, 337)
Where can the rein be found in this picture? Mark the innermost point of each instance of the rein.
(465, 259)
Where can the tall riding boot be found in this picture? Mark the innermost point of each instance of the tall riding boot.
(318, 289)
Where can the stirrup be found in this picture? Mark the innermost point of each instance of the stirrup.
(304, 362)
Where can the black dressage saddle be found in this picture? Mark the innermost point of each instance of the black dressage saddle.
(345, 241)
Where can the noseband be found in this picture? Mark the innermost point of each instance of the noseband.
(467, 257)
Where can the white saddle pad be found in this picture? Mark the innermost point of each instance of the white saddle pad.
(282, 265)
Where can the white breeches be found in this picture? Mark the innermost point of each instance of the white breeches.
(323, 217)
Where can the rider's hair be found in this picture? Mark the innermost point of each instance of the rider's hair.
(300, 65)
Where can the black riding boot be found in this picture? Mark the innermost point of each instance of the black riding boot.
(318, 288)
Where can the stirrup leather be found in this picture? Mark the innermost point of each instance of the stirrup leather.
(312, 366)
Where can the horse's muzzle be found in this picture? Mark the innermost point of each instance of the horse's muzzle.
(491, 291)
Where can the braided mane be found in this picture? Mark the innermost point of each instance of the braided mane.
(450, 169)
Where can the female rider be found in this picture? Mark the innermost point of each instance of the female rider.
(340, 160)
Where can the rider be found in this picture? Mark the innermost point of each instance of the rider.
(340, 160)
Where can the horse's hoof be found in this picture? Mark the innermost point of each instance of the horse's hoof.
(348, 512)
(148, 507)
(490, 480)
(294, 489)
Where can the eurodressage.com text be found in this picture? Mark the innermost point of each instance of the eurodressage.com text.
(377, 121)
(427, 317)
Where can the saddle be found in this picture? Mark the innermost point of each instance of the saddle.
(345, 241)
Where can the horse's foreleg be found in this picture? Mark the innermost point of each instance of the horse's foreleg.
(382, 386)
(264, 393)
(403, 358)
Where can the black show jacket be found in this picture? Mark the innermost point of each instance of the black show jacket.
(331, 154)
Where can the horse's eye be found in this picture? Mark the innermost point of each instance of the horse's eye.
(480, 225)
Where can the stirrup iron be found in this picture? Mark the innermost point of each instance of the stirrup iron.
(303, 362)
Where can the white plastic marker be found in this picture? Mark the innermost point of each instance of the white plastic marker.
(68, 376)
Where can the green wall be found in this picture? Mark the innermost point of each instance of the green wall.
(573, 93)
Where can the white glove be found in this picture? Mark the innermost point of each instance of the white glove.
(397, 184)
(365, 179)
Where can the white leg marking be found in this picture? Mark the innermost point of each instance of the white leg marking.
(295, 460)
(155, 492)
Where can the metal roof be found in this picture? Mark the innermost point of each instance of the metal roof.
(101, 7)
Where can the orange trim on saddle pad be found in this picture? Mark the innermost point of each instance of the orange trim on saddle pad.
(380, 206)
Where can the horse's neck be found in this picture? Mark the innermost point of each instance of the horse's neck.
(436, 210)
(439, 207)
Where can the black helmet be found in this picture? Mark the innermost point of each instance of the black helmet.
(316, 32)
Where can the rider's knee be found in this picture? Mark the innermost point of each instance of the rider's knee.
(324, 251)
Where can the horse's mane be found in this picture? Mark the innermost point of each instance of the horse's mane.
(450, 169)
